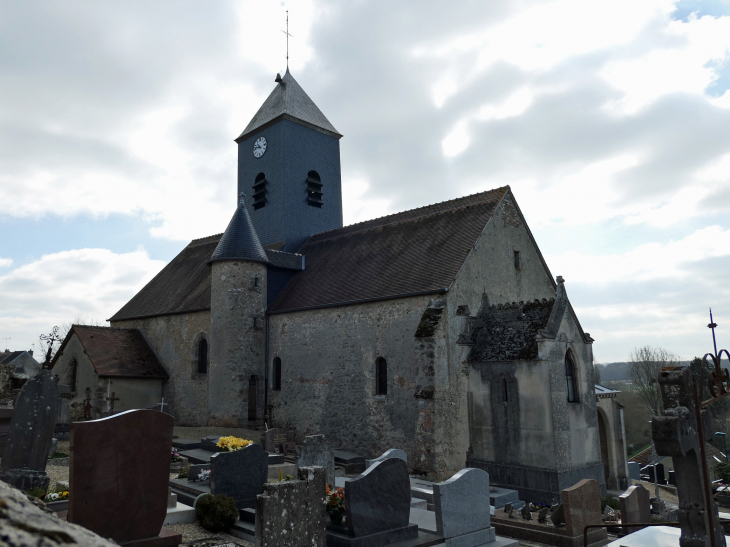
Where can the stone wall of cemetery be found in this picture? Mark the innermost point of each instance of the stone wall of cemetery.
(175, 338)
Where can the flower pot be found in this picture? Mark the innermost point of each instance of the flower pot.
(336, 518)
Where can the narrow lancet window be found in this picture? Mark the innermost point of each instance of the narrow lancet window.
(259, 191)
(314, 189)
(277, 374)
(203, 356)
(571, 379)
(381, 376)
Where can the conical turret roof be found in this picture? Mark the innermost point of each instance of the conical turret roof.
(289, 98)
(239, 241)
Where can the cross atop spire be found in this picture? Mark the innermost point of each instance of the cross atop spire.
(287, 39)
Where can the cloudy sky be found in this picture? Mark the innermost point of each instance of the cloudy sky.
(610, 120)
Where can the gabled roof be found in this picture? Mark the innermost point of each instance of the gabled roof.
(603, 392)
(116, 352)
(289, 99)
(414, 252)
(239, 241)
(10, 357)
(508, 332)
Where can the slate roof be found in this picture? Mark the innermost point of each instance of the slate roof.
(414, 252)
(288, 98)
(603, 392)
(10, 357)
(240, 241)
(116, 352)
(506, 332)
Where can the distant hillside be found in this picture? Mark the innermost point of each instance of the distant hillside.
(614, 372)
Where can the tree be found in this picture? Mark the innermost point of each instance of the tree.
(596, 371)
(645, 364)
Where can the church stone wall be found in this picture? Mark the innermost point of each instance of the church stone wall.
(174, 340)
(328, 377)
(237, 343)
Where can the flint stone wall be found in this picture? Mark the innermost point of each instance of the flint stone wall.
(292, 513)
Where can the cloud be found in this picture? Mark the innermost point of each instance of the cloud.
(5, 262)
(60, 287)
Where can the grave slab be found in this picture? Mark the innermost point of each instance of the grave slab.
(197, 455)
(31, 430)
(166, 537)
(657, 536)
(378, 502)
(392, 453)
(292, 513)
(635, 506)
(210, 443)
(285, 468)
(499, 497)
(353, 463)
(179, 514)
(186, 444)
(118, 489)
(240, 474)
(316, 452)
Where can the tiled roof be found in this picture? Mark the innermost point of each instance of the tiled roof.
(288, 98)
(418, 251)
(507, 332)
(116, 352)
(239, 241)
(182, 286)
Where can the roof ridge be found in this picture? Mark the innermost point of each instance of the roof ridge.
(202, 240)
(409, 211)
(281, 252)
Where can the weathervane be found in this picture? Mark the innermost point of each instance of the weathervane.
(287, 39)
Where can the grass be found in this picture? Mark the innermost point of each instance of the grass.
(58, 455)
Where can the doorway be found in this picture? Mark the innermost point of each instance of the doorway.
(253, 385)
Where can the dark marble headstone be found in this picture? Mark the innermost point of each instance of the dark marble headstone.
(210, 443)
(240, 474)
(31, 431)
(380, 499)
(119, 474)
(269, 440)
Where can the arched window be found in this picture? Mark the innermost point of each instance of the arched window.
(203, 356)
(314, 189)
(259, 191)
(72, 367)
(571, 378)
(277, 374)
(381, 376)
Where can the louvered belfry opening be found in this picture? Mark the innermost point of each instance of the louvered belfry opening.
(259, 191)
(314, 189)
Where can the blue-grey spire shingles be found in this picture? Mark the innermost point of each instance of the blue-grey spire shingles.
(239, 241)
(288, 98)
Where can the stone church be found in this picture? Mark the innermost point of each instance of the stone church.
(438, 330)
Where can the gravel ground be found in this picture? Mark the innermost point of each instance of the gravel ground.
(194, 534)
(56, 473)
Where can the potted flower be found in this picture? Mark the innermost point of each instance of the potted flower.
(335, 503)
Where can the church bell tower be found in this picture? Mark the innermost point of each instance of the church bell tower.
(289, 167)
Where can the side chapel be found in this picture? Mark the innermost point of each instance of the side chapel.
(438, 330)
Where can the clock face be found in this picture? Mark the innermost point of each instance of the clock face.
(259, 147)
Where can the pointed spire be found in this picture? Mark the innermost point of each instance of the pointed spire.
(288, 98)
(239, 241)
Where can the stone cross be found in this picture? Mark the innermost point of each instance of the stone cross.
(111, 401)
(676, 434)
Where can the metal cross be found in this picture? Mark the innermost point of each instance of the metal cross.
(162, 405)
(111, 401)
(719, 379)
(51, 339)
(287, 39)
(6, 342)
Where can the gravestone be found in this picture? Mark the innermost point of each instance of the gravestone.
(635, 506)
(31, 431)
(542, 514)
(269, 444)
(316, 452)
(558, 516)
(6, 417)
(240, 474)
(378, 503)
(292, 513)
(634, 471)
(582, 505)
(63, 423)
(195, 471)
(462, 508)
(675, 434)
(171, 499)
(392, 453)
(119, 474)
